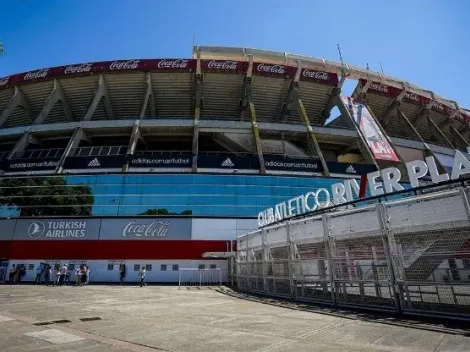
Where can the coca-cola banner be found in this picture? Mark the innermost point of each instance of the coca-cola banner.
(146, 229)
(144, 65)
(319, 76)
(263, 69)
(22, 165)
(225, 66)
(378, 143)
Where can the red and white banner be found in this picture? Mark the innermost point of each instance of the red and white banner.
(378, 143)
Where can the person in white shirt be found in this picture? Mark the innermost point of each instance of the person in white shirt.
(141, 274)
(78, 275)
(39, 272)
(63, 273)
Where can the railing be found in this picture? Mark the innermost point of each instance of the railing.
(39, 153)
(99, 151)
(409, 256)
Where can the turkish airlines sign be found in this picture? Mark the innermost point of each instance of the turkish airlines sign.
(379, 145)
(57, 229)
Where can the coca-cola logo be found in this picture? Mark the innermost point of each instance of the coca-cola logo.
(4, 81)
(412, 96)
(154, 229)
(124, 65)
(36, 74)
(77, 68)
(438, 106)
(379, 87)
(173, 63)
(315, 74)
(278, 69)
(222, 65)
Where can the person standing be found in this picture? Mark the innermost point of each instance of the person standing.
(11, 275)
(122, 273)
(142, 273)
(78, 275)
(47, 274)
(39, 272)
(63, 274)
(57, 275)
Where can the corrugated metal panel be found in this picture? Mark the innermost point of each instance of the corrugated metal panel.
(79, 93)
(315, 98)
(174, 94)
(56, 114)
(126, 92)
(36, 95)
(5, 96)
(222, 94)
(17, 118)
(269, 96)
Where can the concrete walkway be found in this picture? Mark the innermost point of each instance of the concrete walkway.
(115, 318)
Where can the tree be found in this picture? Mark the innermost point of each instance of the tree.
(163, 212)
(46, 196)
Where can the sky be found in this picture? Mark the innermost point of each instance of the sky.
(425, 42)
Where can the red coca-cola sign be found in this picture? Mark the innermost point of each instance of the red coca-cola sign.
(319, 76)
(83, 68)
(272, 69)
(173, 64)
(36, 74)
(381, 89)
(223, 65)
(124, 65)
(4, 81)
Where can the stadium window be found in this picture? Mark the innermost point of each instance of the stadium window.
(136, 267)
(148, 267)
(202, 266)
(110, 267)
(30, 266)
(175, 267)
(163, 267)
(213, 266)
(71, 267)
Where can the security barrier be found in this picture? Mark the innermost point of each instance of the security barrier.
(189, 277)
(411, 256)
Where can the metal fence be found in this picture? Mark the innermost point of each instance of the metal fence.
(410, 255)
(191, 277)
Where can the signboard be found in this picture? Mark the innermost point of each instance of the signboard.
(376, 140)
(273, 70)
(161, 161)
(319, 76)
(348, 190)
(24, 165)
(146, 229)
(94, 162)
(224, 66)
(7, 227)
(57, 229)
(349, 169)
(279, 163)
(228, 162)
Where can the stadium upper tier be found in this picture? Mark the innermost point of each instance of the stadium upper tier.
(222, 91)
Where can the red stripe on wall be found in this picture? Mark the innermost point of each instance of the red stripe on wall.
(94, 250)
(5, 247)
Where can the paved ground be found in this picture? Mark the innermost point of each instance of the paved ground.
(166, 319)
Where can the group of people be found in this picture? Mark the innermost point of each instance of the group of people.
(62, 275)
(16, 274)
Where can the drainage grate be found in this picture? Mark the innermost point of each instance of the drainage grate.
(90, 319)
(52, 322)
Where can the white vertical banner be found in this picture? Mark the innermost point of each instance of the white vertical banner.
(377, 142)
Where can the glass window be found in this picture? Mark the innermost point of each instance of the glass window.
(202, 266)
(136, 267)
(30, 266)
(148, 267)
(213, 266)
(110, 267)
(163, 267)
(71, 267)
(175, 267)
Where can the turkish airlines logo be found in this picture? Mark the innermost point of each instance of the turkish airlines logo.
(222, 65)
(36, 229)
(173, 63)
(124, 65)
(36, 74)
(77, 69)
(277, 69)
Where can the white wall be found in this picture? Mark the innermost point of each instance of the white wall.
(221, 229)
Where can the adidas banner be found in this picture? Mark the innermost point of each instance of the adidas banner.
(161, 161)
(95, 162)
(24, 165)
(228, 161)
(350, 169)
(279, 163)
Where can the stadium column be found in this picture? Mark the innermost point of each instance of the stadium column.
(362, 144)
(22, 144)
(247, 100)
(336, 92)
(197, 111)
(394, 105)
(56, 96)
(18, 100)
(411, 130)
(294, 96)
(135, 135)
(77, 136)
(148, 98)
(436, 131)
(457, 138)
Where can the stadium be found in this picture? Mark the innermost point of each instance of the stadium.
(159, 162)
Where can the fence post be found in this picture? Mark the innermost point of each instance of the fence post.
(263, 261)
(289, 259)
(326, 236)
(385, 227)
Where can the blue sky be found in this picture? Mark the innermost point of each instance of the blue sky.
(426, 42)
